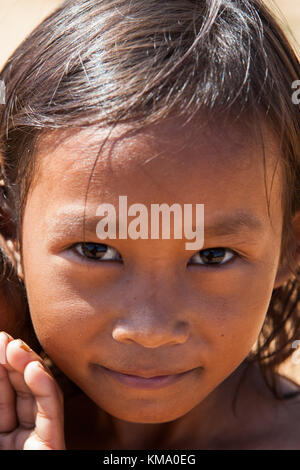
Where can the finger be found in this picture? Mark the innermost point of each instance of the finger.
(5, 339)
(49, 423)
(24, 400)
(18, 356)
(8, 420)
(8, 417)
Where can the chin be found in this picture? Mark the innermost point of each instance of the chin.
(144, 413)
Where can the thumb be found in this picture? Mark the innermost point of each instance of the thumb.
(49, 422)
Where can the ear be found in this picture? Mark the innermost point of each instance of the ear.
(13, 254)
(284, 273)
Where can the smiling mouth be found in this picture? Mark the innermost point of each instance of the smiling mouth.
(151, 382)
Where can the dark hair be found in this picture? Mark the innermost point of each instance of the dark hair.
(104, 62)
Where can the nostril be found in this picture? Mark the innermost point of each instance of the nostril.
(151, 336)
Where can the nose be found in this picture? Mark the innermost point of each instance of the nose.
(151, 335)
(152, 324)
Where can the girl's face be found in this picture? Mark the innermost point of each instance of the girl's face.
(162, 309)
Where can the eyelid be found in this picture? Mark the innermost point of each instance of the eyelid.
(215, 265)
(86, 258)
(234, 253)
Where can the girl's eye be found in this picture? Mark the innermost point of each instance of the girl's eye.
(98, 251)
(212, 256)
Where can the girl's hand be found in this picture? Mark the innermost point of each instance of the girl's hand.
(31, 402)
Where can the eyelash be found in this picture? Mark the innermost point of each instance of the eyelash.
(111, 250)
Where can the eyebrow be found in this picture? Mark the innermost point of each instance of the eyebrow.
(233, 224)
(72, 220)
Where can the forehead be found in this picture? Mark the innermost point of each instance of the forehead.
(221, 166)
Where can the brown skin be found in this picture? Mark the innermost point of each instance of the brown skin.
(153, 311)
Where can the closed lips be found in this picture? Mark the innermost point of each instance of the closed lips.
(148, 375)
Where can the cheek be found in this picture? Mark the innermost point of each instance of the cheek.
(237, 309)
(230, 305)
(56, 305)
(70, 313)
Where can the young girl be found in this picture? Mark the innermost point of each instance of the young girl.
(178, 102)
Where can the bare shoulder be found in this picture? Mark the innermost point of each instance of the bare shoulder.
(266, 422)
(282, 430)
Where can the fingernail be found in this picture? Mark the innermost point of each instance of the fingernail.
(3, 334)
(3, 338)
(24, 346)
(38, 364)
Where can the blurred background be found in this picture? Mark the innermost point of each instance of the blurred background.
(19, 17)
